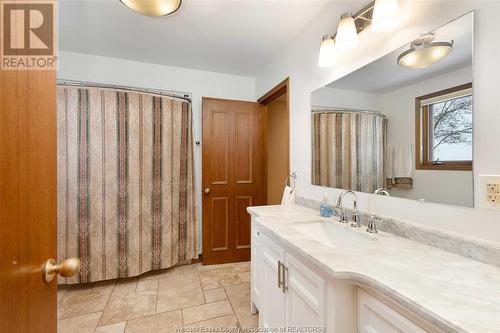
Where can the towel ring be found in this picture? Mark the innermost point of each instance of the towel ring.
(290, 181)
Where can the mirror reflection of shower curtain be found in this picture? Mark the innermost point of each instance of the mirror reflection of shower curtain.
(348, 150)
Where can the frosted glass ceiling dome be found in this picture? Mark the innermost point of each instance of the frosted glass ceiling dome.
(153, 7)
(424, 52)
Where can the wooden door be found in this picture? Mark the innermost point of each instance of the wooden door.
(233, 177)
(27, 200)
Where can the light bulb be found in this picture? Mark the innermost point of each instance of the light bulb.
(347, 36)
(326, 56)
(385, 15)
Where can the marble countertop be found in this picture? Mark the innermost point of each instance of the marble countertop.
(455, 293)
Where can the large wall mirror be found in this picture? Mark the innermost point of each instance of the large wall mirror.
(403, 122)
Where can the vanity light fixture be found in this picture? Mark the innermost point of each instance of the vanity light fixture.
(153, 7)
(347, 35)
(327, 51)
(385, 15)
(424, 52)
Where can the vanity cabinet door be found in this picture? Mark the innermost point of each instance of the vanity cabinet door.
(256, 261)
(272, 298)
(305, 300)
(376, 317)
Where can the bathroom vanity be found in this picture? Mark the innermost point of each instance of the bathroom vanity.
(315, 274)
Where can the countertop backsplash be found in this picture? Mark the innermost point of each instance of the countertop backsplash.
(480, 250)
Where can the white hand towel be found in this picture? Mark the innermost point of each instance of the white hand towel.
(403, 161)
(288, 198)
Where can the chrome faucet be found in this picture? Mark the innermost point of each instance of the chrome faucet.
(355, 223)
(372, 224)
(383, 191)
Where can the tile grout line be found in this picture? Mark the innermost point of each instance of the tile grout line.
(200, 321)
(157, 293)
(80, 315)
(105, 305)
(201, 287)
(232, 307)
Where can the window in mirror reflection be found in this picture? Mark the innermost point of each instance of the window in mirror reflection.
(446, 118)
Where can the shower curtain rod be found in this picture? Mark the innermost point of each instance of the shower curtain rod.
(172, 94)
(326, 109)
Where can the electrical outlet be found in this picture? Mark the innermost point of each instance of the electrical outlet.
(489, 191)
(492, 193)
(493, 188)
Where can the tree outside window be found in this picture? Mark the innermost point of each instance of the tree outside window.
(443, 129)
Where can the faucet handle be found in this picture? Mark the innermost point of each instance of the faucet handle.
(355, 223)
(342, 215)
(372, 224)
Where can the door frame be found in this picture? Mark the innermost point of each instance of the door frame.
(277, 91)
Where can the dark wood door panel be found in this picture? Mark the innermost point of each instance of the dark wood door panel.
(233, 169)
(242, 221)
(219, 154)
(243, 155)
(219, 223)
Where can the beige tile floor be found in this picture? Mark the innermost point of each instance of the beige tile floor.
(189, 296)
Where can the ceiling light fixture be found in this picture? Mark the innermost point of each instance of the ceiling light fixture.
(153, 7)
(424, 52)
(326, 56)
(347, 36)
(385, 15)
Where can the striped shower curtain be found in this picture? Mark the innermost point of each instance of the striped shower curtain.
(348, 150)
(125, 182)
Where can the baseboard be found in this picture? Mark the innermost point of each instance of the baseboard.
(194, 261)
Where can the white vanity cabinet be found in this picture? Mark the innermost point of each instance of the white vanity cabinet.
(284, 290)
(288, 291)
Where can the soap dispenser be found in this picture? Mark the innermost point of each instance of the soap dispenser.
(325, 209)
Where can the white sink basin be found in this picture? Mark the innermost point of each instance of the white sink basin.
(331, 233)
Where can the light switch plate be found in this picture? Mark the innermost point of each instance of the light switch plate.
(489, 191)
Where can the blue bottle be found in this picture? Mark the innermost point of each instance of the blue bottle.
(325, 209)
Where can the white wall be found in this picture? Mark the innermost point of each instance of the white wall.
(298, 62)
(84, 67)
(450, 187)
(340, 98)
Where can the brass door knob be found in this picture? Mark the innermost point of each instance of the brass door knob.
(207, 190)
(67, 268)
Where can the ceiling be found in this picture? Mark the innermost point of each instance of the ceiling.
(227, 36)
(385, 75)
